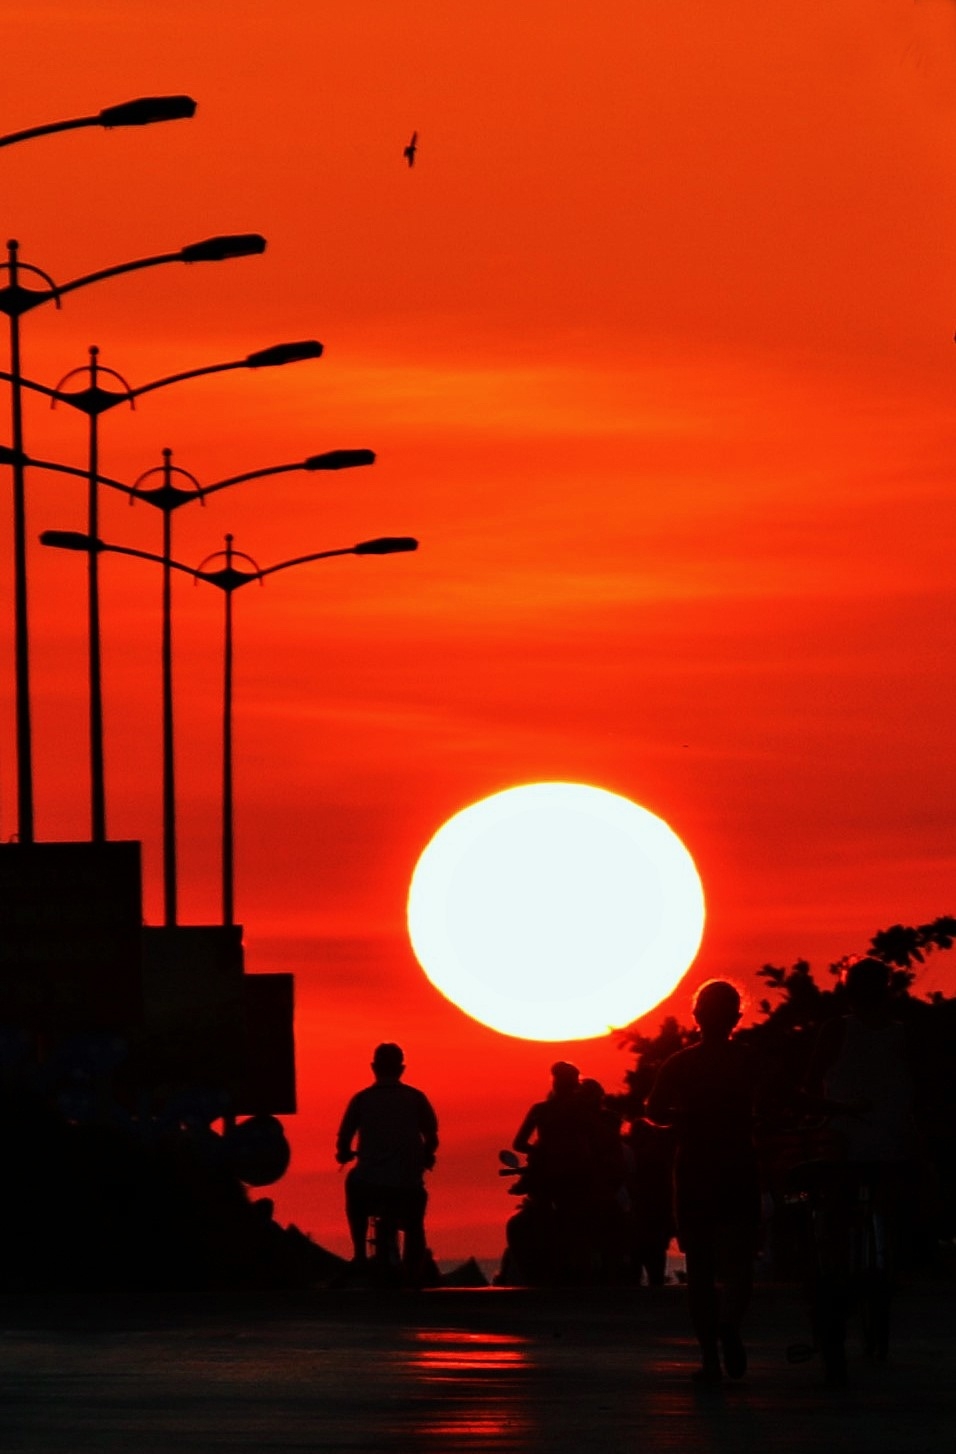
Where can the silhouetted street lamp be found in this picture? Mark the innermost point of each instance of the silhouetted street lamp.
(168, 497)
(16, 299)
(93, 401)
(228, 579)
(142, 112)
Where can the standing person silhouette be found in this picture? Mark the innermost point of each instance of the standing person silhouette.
(706, 1093)
(861, 1065)
(861, 1076)
(396, 1130)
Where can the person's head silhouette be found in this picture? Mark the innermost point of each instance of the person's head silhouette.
(565, 1078)
(867, 984)
(717, 1009)
(388, 1061)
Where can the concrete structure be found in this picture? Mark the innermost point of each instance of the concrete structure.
(77, 960)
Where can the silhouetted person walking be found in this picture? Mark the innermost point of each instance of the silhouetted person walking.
(861, 1067)
(860, 1076)
(706, 1092)
(396, 1131)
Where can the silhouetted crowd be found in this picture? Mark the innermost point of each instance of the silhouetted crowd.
(824, 1180)
(101, 1196)
(596, 1195)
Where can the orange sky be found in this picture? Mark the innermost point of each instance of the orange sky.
(655, 349)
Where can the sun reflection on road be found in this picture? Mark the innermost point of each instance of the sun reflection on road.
(483, 1403)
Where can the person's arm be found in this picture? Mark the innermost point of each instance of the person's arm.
(346, 1135)
(661, 1107)
(522, 1141)
(429, 1130)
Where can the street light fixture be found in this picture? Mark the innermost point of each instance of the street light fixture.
(97, 400)
(168, 497)
(93, 401)
(228, 578)
(141, 112)
(16, 299)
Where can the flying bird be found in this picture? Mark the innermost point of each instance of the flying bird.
(410, 150)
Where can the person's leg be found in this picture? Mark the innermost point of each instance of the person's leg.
(699, 1255)
(655, 1261)
(414, 1249)
(356, 1213)
(831, 1297)
(735, 1270)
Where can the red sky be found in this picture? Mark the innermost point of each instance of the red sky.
(655, 348)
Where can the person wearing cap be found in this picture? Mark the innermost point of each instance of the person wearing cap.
(390, 1131)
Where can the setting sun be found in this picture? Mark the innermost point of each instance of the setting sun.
(555, 911)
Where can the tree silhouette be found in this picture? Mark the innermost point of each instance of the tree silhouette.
(900, 945)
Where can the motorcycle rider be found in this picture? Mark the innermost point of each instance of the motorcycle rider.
(397, 1138)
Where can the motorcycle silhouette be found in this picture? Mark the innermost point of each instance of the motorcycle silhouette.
(566, 1230)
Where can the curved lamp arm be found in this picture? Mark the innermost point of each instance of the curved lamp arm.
(141, 112)
(334, 459)
(88, 545)
(12, 456)
(29, 384)
(281, 353)
(212, 250)
(383, 545)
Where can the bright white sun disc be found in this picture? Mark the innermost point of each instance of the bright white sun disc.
(555, 911)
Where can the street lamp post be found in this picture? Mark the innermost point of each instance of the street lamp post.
(17, 298)
(141, 112)
(93, 400)
(168, 497)
(228, 578)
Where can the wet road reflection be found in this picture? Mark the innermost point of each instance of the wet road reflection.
(467, 1374)
(470, 1390)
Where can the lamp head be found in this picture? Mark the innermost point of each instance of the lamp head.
(70, 540)
(219, 249)
(147, 109)
(283, 353)
(339, 459)
(385, 545)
